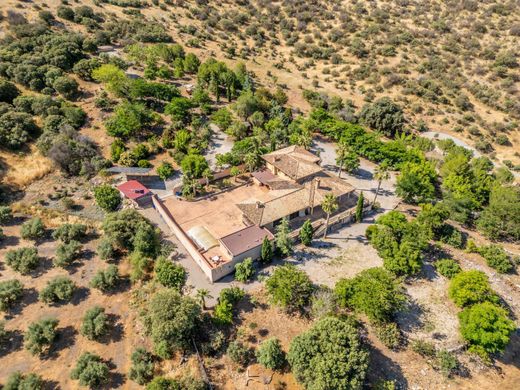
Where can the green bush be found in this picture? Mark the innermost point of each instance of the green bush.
(486, 327)
(169, 274)
(91, 371)
(69, 232)
(374, 292)
(186, 383)
(67, 253)
(447, 267)
(470, 287)
(497, 258)
(383, 115)
(40, 335)
(172, 321)
(106, 250)
(106, 280)
(142, 368)
(107, 197)
(19, 381)
(330, 355)
(289, 287)
(33, 229)
(8, 91)
(266, 254)
(58, 289)
(165, 170)
(270, 354)
(5, 214)
(389, 334)
(95, 323)
(22, 260)
(244, 271)
(238, 353)
(10, 292)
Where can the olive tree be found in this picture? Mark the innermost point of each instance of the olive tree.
(91, 371)
(289, 287)
(330, 355)
(40, 335)
(95, 323)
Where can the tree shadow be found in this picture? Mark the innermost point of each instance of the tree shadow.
(30, 296)
(44, 265)
(411, 317)
(116, 379)
(116, 331)
(511, 355)
(13, 342)
(80, 295)
(65, 339)
(383, 368)
(9, 241)
(51, 385)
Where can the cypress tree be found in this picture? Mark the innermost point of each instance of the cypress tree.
(267, 251)
(306, 233)
(359, 208)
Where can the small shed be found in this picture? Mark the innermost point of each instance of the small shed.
(136, 192)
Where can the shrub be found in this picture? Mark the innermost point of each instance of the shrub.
(172, 321)
(8, 91)
(106, 280)
(497, 258)
(330, 355)
(67, 253)
(69, 232)
(447, 267)
(19, 381)
(446, 362)
(383, 115)
(486, 327)
(142, 368)
(16, 129)
(389, 334)
(107, 197)
(186, 383)
(374, 292)
(40, 335)
(169, 274)
(58, 289)
(165, 170)
(67, 87)
(95, 323)
(470, 287)
(270, 354)
(5, 214)
(33, 229)
(65, 12)
(501, 218)
(106, 250)
(289, 288)
(10, 292)
(91, 371)
(238, 353)
(22, 260)
(244, 271)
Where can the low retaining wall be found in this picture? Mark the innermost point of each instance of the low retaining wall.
(184, 239)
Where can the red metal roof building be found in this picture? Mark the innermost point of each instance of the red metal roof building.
(136, 192)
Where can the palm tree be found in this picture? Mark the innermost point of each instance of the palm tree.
(208, 175)
(329, 205)
(202, 294)
(341, 154)
(381, 173)
(251, 161)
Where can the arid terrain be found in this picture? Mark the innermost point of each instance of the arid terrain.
(290, 72)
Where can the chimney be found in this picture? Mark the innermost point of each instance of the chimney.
(258, 204)
(318, 183)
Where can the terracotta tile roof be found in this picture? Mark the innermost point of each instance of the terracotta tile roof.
(133, 189)
(262, 213)
(245, 239)
(294, 161)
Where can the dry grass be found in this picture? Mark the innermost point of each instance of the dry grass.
(20, 170)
